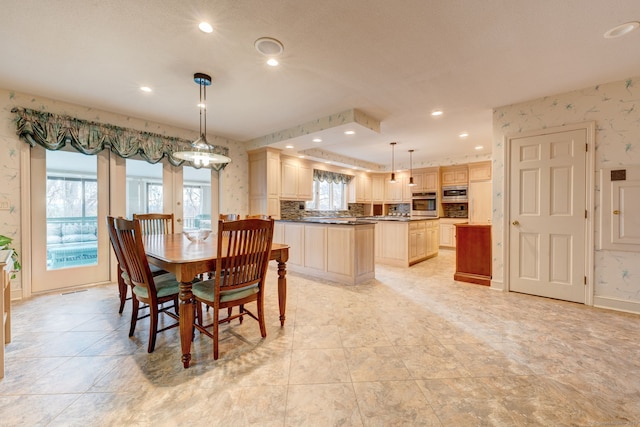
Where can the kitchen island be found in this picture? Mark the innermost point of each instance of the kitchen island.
(340, 250)
(405, 241)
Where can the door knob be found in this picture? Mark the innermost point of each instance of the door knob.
(616, 212)
(179, 220)
(516, 222)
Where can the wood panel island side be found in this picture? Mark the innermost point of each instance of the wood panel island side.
(340, 251)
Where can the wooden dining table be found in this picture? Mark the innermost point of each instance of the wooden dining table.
(176, 254)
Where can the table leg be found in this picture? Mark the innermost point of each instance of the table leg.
(282, 289)
(186, 321)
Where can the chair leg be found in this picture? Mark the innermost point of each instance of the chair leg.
(134, 314)
(263, 327)
(215, 334)
(153, 328)
(122, 292)
(229, 310)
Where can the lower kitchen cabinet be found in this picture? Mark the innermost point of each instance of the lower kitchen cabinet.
(473, 254)
(336, 252)
(448, 231)
(404, 243)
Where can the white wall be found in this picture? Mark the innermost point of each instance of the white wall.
(615, 108)
(233, 179)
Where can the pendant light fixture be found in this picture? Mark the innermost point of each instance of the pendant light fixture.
(201, 153)
(393, 164)
(411, 183)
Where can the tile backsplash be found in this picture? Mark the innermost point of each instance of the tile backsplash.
(455, 210)
(296, 210)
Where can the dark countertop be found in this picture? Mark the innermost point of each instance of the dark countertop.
(333, 221)
(357, 220)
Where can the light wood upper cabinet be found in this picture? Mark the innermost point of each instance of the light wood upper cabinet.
(296, 180)
(264, 182)
(425, 180)
(377, 188)
(480, 171)
(363, 188)
(454, 175)
(393, 190)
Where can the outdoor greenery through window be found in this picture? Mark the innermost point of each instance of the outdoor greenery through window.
(328, 196)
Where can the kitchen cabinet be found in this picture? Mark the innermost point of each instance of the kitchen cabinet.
(425, 180)
(404, 243)
(264, 182)
(363, 188)
(454, 175)
(473, 254)
(6, 265)
(480, 171)
(296, 180)
(448, 231)
(340, 253)
(393, 190)
(480, 202)
(377, 188)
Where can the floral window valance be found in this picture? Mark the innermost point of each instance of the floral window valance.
(53, 132)
(335, 177)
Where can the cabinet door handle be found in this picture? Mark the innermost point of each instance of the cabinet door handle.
(616, 212)
(516, 222)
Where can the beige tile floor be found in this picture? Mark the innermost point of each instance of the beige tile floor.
(412, 347)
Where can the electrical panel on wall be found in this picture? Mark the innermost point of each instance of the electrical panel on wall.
(620, 209)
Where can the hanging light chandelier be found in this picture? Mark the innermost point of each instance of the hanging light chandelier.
(393, 164)
(201, 153)
(411, 183)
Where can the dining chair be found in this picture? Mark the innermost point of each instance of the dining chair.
(153, 291)
(155, 223)
(123, 275)
(229, 217)
(241, 267)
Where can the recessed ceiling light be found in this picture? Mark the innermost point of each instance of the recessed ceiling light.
(201, 106)
(349, 132)
(145, 89)
(288, 146)
(436, 113)
(301, 157)
(316, 140)
(463, 135)
(273, 62)
(621, 30)
(328, 162)
(479, 147)
(205, 27)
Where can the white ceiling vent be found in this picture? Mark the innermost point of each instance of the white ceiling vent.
(269, 46)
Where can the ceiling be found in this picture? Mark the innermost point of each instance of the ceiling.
(393, 62)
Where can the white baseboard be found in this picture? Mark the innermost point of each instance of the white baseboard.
(497, 285)
(617, 304)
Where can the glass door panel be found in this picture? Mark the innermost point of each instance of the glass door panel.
(196, 196)
(69, 193)
(144, 187)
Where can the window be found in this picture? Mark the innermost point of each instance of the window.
(71, 197)
(328, 196)
(154, 198)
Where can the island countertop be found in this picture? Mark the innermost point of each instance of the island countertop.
(356, 220)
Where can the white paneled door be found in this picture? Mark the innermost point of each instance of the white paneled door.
(547, 215)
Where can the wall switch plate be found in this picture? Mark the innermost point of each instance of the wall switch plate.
(4, 205)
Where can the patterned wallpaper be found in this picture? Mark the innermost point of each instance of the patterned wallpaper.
(615, 108)
(233, 179)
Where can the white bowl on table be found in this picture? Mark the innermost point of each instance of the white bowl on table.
(196, 235)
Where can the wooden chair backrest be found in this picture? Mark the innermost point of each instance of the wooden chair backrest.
(155, 223)
(130, 238)
(244, 248)
(229, 217)
(115, 243)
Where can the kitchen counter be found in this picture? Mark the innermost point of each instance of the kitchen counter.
(340, 250)
(358, 220)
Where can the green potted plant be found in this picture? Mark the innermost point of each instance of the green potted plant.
(5, 244)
